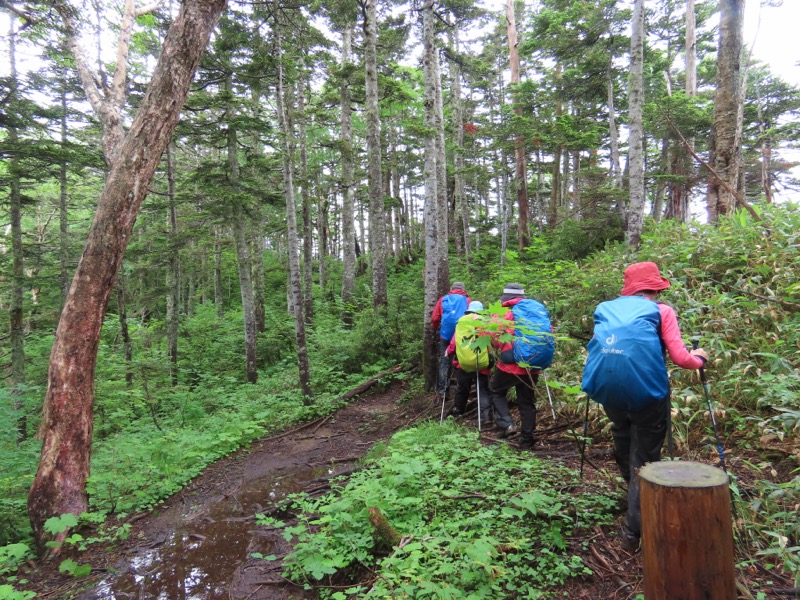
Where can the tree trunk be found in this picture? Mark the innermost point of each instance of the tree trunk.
(462, 206)
(173, 267)
(725, 136)
(348, 213)
(256, 235)
(691, 50)
(434, 214)
(377, 229)
(63, 216)
(295, 284)
(16, 309)
(443, 206)
(218, 300)
(59, 486)
(555, 178)
(305, 200)
(243, 262)
(634, 213)
(613, 134)
(521, 177)
(122, 315)
(324, 241)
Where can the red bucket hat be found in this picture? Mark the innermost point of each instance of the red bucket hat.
(643, 276)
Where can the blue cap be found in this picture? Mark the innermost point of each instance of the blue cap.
(475, 306)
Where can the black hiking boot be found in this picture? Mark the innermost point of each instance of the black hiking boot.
(629, 541)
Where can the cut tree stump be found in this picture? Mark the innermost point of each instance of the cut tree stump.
(687, 533)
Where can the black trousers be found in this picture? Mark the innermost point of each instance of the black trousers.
(464, 382)
(444, 367)
(638, 439)
(499, 384)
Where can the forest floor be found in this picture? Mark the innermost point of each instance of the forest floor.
(199, 543)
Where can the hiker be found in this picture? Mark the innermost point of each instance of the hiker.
(626, 372)
(448, 310)
(472, 365)
(520, 363)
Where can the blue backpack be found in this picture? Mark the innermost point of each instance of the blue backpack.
(453, 308)
(625, 368)
(534, 342)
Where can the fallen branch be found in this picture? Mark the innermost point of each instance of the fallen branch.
(347, 395)
(370, 382)
(742, 202)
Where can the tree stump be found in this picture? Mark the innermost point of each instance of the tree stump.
(383, 529)
(687, 533)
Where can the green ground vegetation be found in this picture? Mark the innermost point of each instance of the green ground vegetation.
(735, 286)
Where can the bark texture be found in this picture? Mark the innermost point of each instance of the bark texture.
(434, 220)
(633, 232)
(377, 223)
(726, 130)
(348, 228)
(521, 176)
(295, 288)
(60, 483)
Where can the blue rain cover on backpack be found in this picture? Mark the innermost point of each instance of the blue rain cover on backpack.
(625, 368)
(534, 342)
(453, 308)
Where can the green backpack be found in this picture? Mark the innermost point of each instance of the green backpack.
(470, 359)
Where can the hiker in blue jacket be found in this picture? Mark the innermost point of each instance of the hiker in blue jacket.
(448, 310)
(635, 391)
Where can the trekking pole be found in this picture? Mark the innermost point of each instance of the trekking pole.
(585, 433)
(444, 394)
(704, 381)
(670, 440)
(549, 396)
(478, 391)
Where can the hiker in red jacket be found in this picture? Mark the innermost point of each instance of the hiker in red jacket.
(448, 310)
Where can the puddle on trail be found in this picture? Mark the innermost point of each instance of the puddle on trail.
(199, 557)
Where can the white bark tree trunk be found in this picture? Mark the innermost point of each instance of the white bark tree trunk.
(635, 210)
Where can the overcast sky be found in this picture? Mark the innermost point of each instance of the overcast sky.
(775, 40)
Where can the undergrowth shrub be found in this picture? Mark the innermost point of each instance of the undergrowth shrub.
(476, 521)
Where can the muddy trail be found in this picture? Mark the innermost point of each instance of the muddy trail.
(198, 545)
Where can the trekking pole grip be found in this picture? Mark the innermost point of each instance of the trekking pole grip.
(702, 369)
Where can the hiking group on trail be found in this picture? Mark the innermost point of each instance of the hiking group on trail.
(625, 369)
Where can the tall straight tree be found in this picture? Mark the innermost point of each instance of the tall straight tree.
(295, 275)
(348, 239)
(305, 198)
(435, 211)
(726, 131)
(239, 223)
(521, 177)
(173, 269)
(635, 209)
(16, 313)
(59, 486)
(377, 218)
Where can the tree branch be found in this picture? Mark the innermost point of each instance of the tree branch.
(790, 306)
(742, 202)
(146, 9)
(93, 94)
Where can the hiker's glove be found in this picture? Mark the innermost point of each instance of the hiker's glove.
(701, 354)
